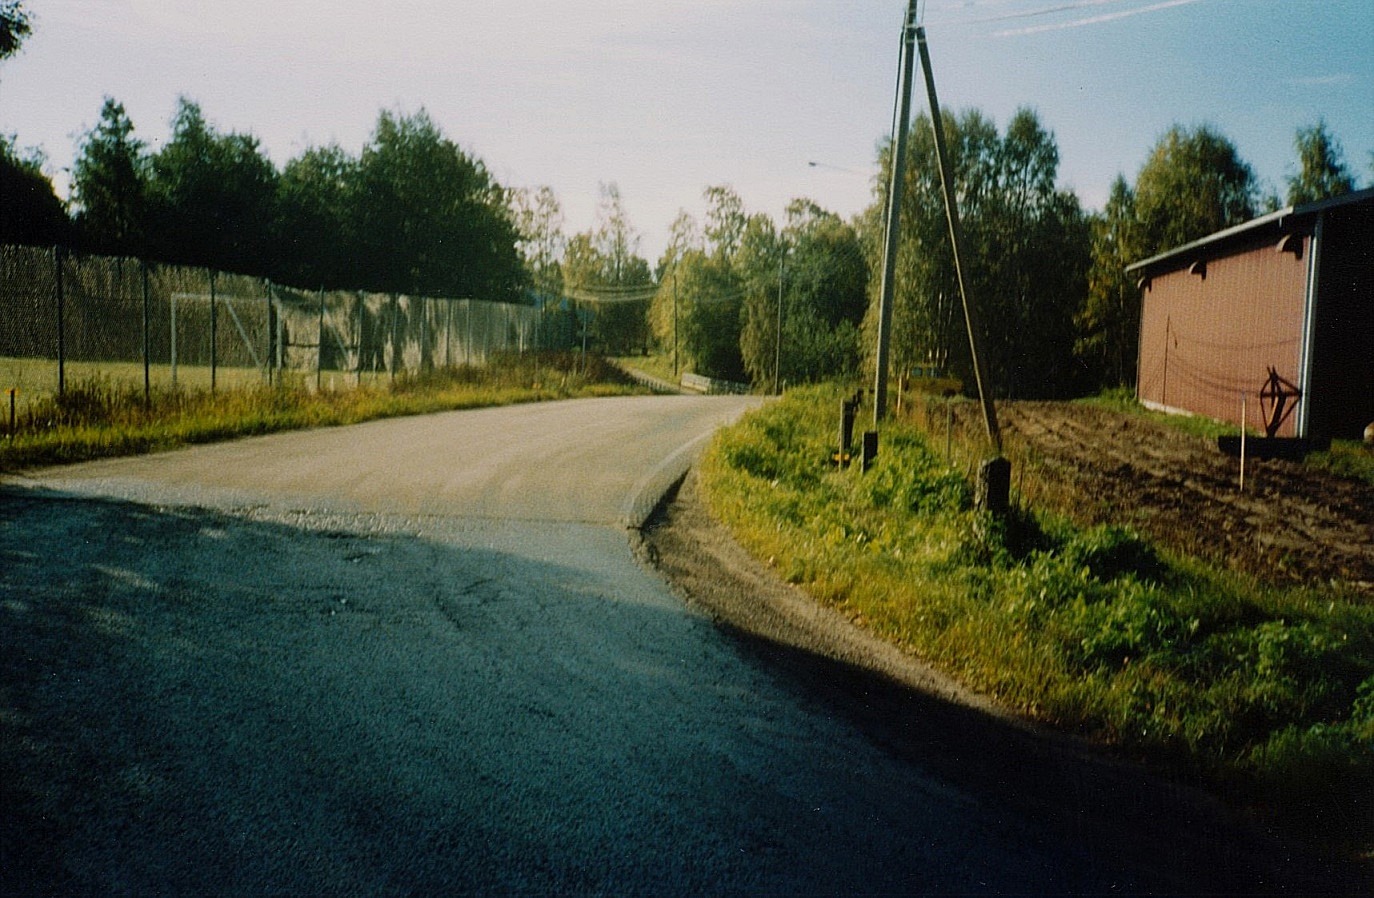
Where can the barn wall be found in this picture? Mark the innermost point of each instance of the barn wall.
(1205, 341)
(1343, 359)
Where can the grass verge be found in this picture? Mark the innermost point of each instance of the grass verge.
(1266, 693)
(99, 418)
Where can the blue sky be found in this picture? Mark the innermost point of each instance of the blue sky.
(665, 97)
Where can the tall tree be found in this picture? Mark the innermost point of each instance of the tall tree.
(212, 197)
(684, 236)
(1109, 322)
(612, 283)
(815, 268)
(1322, 172)
(1193, 183)
(431, 219)
(1027, 248)
(110, 185)
(725, 220)
(32, 212)
(539, 218)
(710, 297)
(318, 242)
(15, 26)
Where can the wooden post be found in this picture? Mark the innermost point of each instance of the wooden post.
(870, 449)
(1242, 441)
(993, 492)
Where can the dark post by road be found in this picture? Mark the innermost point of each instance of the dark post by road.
(993, 492)
(61, 332)
(870, 449)
(147, 347)
(848, 409)
(214, 335)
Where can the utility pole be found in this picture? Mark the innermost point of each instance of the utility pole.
(894, 213)
(956, 236)
(674, 320)
(777, 345)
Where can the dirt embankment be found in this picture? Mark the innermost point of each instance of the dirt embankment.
(1292, 524)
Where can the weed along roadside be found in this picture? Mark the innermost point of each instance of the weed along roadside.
(1263, 692)
(101, 419)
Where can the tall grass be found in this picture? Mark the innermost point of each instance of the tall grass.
(99, 418)
(1266, 691)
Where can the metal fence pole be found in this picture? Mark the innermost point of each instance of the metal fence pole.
(424, 336)
(395, 314)
(319, 348)
(358, 329)
(214, 335)
(173, 326)
(147, 343)
(61, 326)
(448, 333)
(269, 290)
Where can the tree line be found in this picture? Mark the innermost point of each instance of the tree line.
(736, 295)
(412, 213)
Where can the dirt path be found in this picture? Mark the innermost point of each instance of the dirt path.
(1293, 523)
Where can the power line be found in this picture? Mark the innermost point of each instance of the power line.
(1061, 8)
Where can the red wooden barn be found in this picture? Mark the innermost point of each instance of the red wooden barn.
(1292, 291)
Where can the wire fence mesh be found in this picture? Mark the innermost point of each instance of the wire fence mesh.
(67, 318)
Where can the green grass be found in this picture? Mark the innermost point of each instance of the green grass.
(101, 417)
(1267, 693)
(1346, 458)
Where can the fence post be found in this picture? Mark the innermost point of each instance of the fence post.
(270, 290)
(425, 357)
(61, 325)
(319, 348)
(214, 335)
(173, 327)
(358, 329)
(448, 333)
(395, 314)
(147, 342)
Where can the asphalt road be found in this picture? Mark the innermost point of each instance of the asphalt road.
(418, 657)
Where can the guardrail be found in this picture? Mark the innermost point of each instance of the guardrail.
(713, 386)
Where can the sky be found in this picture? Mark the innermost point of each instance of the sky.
(776, 98)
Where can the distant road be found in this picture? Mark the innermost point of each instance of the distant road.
(417, 657)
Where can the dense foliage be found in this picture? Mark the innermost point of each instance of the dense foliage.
(1027, 247)
(413, 213)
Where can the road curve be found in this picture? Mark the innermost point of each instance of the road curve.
(417, 657)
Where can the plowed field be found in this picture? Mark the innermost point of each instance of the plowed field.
(1293, 523)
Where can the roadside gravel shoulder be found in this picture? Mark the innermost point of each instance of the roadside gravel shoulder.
(1169, 831)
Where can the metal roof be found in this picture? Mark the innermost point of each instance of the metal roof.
(1279, 219)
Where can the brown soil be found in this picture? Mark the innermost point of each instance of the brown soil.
(1292, 524)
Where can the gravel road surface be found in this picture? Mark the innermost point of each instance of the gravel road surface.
(419, 657)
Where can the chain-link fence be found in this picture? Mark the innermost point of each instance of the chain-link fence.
(67, 318)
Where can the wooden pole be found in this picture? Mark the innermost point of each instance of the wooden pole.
(894, 215)
(1243, 422)
(956, 236)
